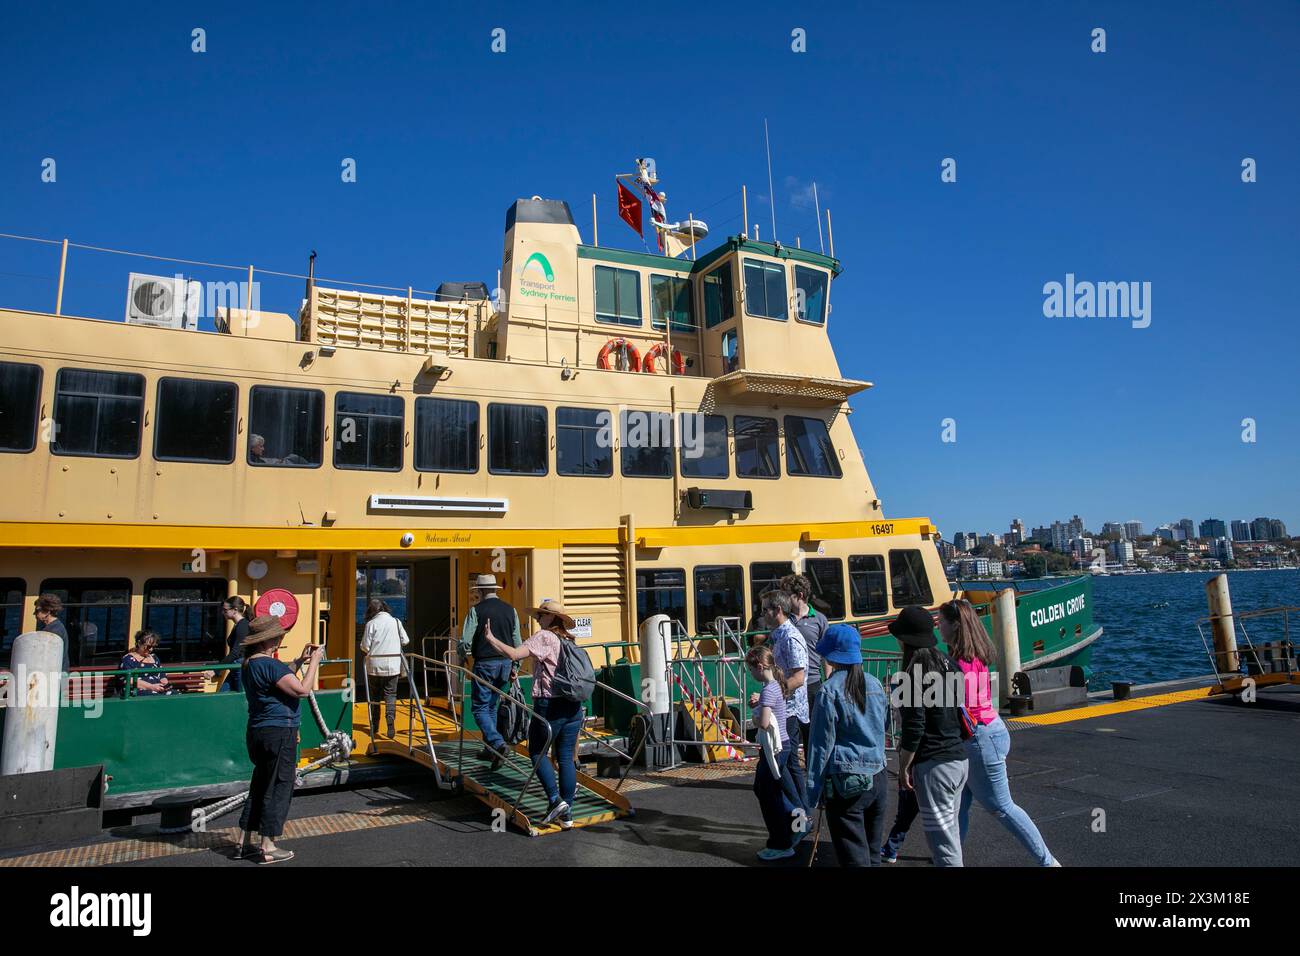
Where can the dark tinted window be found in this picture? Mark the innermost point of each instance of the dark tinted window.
(368, 431)
(618, 295)
(647, 446)
(195, 420)
(446, 435)
(661, 591)
(908, 579)
(719, 302)
(810, 292)
(97, 615)
(719, 592)
(584, 442)
(730, 351)
(186, 614)
(827, 577)
(517, 439)
(764, 576)
(20, 403)
(757, 454)
(286, 427)
(97, 414)
(765, 289)
(704, 446)
(12, 598)
(867, 590)
(808, 448)
(671, 296)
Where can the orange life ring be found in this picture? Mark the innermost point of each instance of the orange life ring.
(633, 356)
(655, 351)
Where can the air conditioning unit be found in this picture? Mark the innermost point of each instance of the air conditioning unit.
(169, 302)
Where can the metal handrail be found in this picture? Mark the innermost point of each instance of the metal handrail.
(410, 727)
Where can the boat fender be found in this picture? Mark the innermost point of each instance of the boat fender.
(655, 351)
(633, 356)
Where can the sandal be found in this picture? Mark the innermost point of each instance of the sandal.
(276, 856)
(245, 851)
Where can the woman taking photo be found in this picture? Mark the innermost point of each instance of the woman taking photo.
(273, 690)
(969, 646)
(778, 798)
(846, 752)
(931, 757)
(382, 644)
(564, 716)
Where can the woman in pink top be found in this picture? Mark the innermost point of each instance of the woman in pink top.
(969, 645)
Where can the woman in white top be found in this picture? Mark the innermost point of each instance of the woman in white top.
(382, 642)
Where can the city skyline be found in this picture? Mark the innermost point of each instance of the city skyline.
(1148, 527)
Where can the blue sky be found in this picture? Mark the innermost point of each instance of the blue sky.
(1120, 166)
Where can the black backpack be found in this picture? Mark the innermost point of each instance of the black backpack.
(574, 678)
(512, 719)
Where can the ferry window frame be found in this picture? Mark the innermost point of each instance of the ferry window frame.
(776, 445)
(626, 462)
(723, 279)
(726, 448)
(730, 362)
(12, 615)
(925, 596)
(790, 457)
(252, 430)
(400, 418)
(761, 583)
(701, 626)
(865, 607)
(680, 289)
(819, 276)
(64, 589)
(566, 428)
(618, 317)
(210, 606)
(546, 439)
(99, 398)
(819, 591)
(428, 401)
(233, 440)
(7, 375)
(656, 587)
(768, 269)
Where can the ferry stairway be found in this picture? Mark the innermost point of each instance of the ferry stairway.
(429, 732)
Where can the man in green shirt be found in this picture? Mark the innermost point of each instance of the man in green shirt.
(490, 666)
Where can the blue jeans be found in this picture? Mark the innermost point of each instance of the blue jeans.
(565, 718)
(484, 703)
(987, 752)
(778, 799)
(904, 817)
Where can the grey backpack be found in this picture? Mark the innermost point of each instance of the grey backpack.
(574, 678)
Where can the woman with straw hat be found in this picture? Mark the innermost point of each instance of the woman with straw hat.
(273, 690)
(564, 716)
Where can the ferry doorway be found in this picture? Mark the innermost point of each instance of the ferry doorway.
(418, 593)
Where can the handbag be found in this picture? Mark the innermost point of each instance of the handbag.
(512, 718)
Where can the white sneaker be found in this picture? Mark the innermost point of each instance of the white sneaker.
(559, 810)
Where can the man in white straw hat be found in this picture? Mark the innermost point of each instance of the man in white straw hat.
(490, 665)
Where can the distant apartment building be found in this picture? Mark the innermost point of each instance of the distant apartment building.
(974, 567)
(947, 550)
(1114, 527)
(965, 540)
(1213, 528)
(1061, 537)
(1276, 529)
(1188, 528)
(1081, 548)
(1223, 549)
(1132, 530)
(1121, 552)
(1016, 535)
(1260, 529)
(1075, 527)
(1241, 531)
(1041, 535)
(991, 540)
(995, 568)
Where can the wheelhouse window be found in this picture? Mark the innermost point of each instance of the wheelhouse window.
(719, 300)
(810, 294)
(618, 295)
(730, 351)
(757, 454)
(195, 421)
(185, 613)
(517, 439)
(286, 427)
(647, 447)
(584, 442)
(765, 289)
(20, 403)
(97, 414)
(704, 446)
(808, 448)
(827, 578)
(661, 591)
(368, 431)
(12, 598)
(446, 435)
(719, 592)
(97, 615)
(908, 579)
(867, 587)
(670, 297)
(764, 576)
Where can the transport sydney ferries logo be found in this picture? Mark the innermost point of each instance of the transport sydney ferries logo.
(537, 280)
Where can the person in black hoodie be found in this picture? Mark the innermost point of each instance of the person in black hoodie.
(931, 756)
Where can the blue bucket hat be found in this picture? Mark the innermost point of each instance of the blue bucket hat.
(841, 644)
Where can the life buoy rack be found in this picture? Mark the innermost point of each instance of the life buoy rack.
(620, 345)
(660, 349)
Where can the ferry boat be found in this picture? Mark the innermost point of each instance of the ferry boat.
(632, 433)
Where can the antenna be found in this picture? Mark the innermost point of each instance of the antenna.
(818, 204)
(771, 193)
